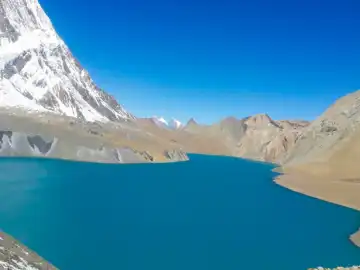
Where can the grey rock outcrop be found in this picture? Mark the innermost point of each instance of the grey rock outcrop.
(175, 155)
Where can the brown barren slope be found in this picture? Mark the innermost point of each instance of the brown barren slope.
(325, 162)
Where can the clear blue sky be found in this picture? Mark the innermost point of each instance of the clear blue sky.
(210, 59)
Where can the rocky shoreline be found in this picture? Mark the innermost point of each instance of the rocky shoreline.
(337, 268)
(15, 256)
(29, 134)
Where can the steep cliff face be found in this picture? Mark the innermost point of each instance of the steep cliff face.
(38, 71)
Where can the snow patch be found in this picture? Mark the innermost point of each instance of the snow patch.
(172, 124)
(16, 265)
(161, 120)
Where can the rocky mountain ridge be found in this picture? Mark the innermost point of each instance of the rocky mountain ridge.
(173, 123)
(255, 137)
(39, 73)
(331, 141)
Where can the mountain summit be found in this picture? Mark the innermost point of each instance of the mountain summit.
(175, 124)
(172, 124)
(38, 71)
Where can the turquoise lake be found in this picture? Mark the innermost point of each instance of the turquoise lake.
(210, 213)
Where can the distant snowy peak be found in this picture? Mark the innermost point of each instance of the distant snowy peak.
(160, 121)
(38, 71)
(175, 124)
(172, 124)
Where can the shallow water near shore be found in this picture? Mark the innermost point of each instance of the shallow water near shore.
(209, 213)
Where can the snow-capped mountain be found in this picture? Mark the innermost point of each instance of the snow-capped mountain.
(172, 124)
(38, 71)
(160, 121)
(175, 124)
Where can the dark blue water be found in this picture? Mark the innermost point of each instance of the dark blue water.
(209, 213)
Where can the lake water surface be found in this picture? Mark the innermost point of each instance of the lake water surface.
(210, 213)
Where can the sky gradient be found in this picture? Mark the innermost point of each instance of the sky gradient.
(212, 59)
